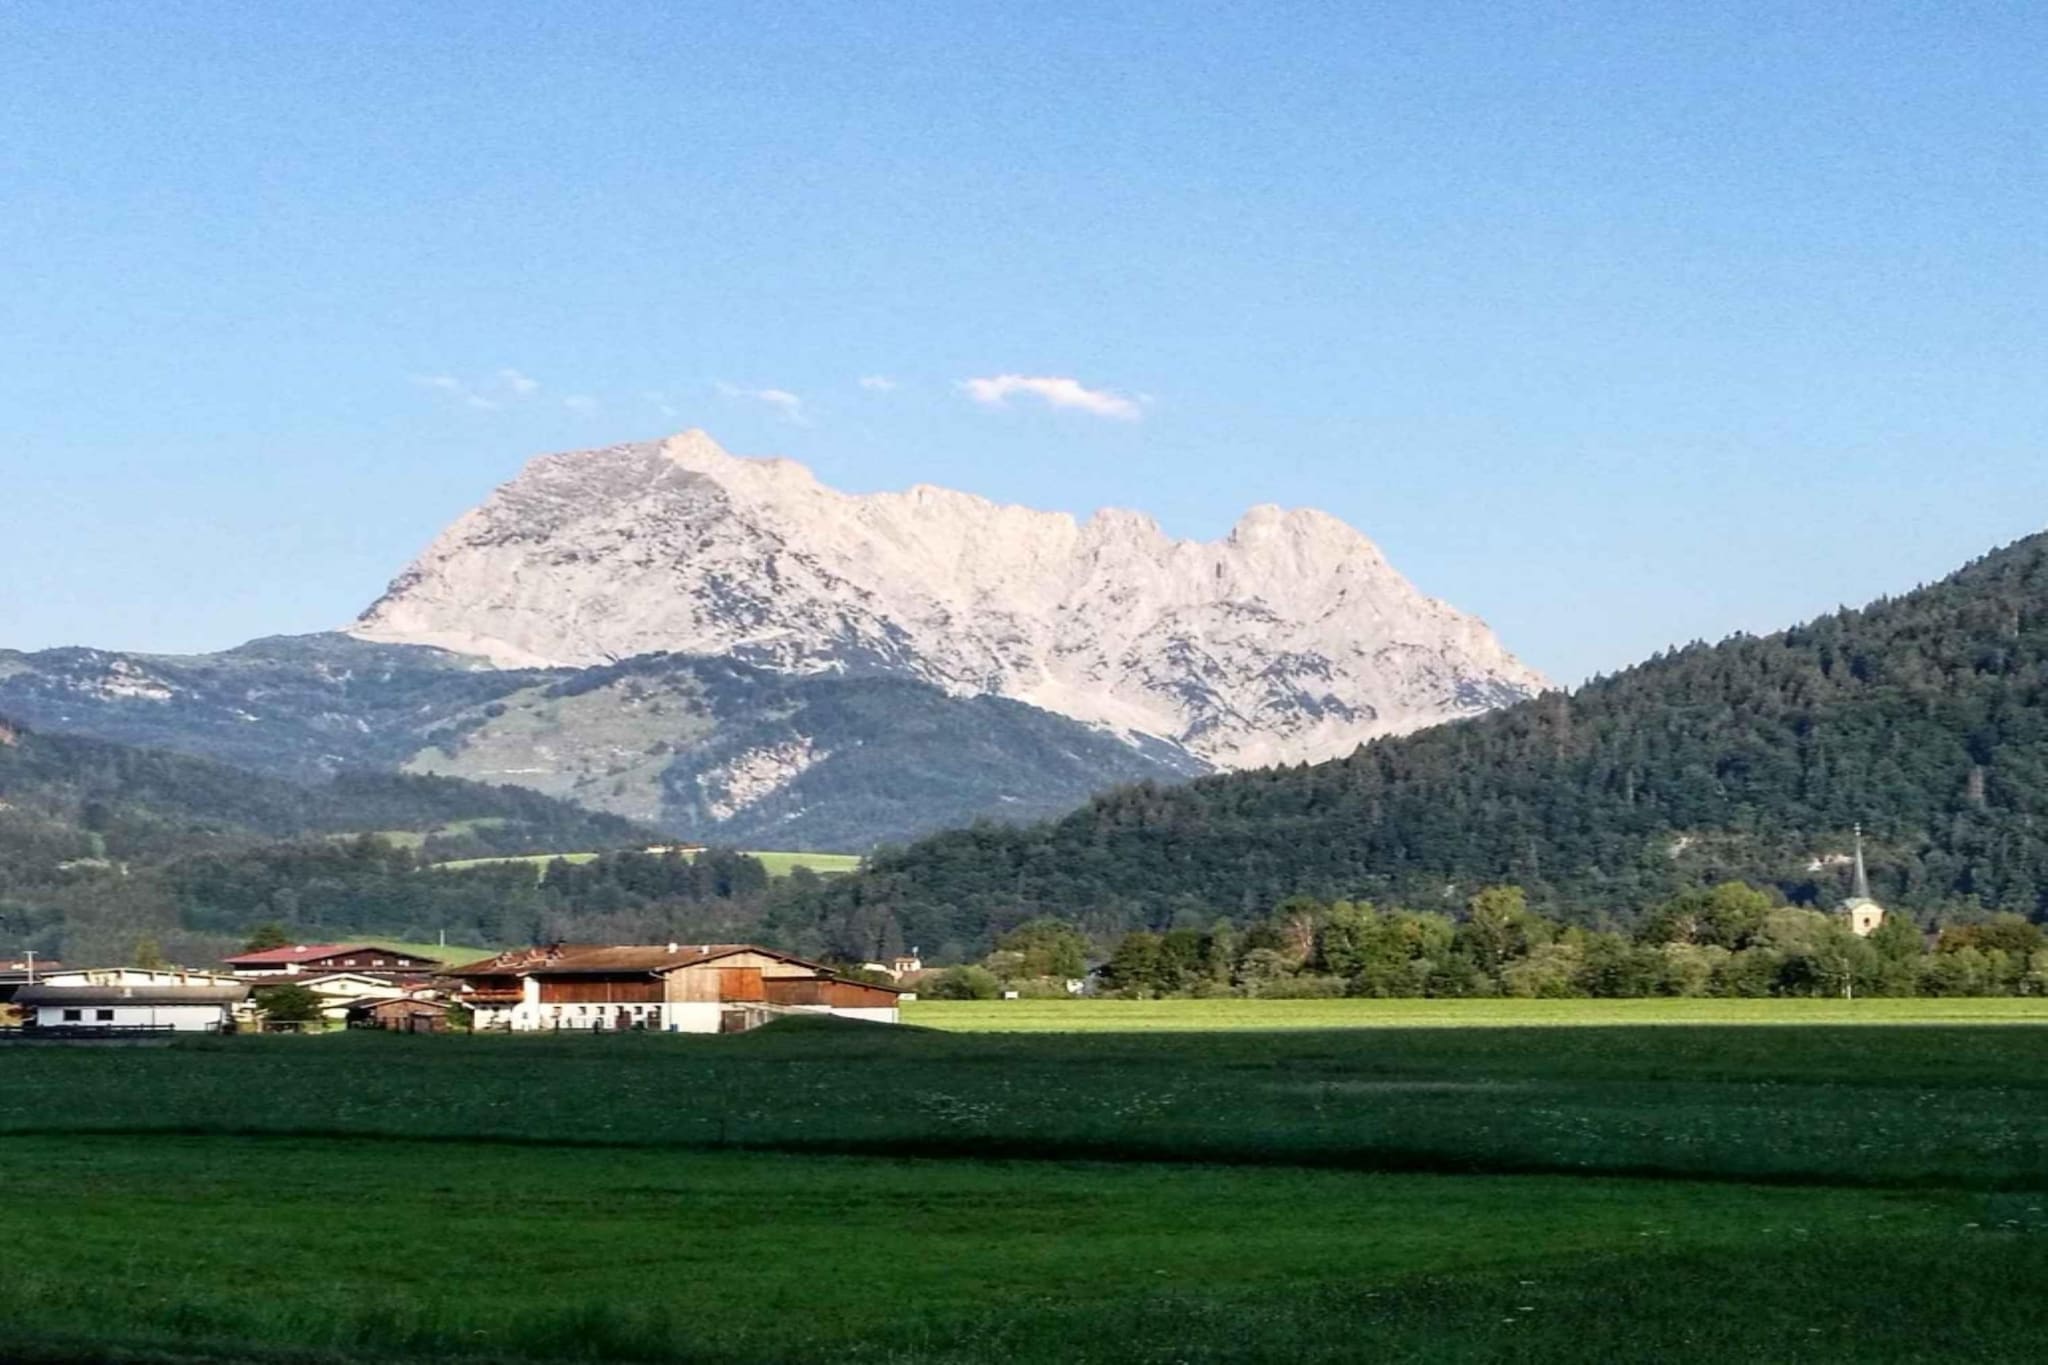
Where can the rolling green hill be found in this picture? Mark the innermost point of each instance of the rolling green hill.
(1924, 717)
(108, 850)
(115, 801)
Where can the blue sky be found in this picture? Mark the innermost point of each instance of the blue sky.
(1620, 325)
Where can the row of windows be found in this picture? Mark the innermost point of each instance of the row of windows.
(78, 1016)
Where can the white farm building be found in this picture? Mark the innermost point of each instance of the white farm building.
(183, 1009)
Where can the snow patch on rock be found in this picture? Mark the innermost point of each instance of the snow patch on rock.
(756, 775)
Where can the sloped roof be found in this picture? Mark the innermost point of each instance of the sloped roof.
(371, 1002)
(575, 959)
(313, 952)
(131, 995)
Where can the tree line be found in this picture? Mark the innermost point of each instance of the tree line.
(1728, 940)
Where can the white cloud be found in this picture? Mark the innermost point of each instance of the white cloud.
(877, 383)
(457, 390)
(791, 406)
(1056, 391)
(488, 395)
(581, 402)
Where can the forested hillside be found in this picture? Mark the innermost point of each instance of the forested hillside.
(103, 846)
(1922, 717)
(141, 803)
(709, 749)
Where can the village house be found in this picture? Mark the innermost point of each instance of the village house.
(189, 1008)
(323, 958)
(339, 990)
(674, 988)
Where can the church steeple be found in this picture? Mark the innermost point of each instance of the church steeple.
(1863, 913)
(1862, 891)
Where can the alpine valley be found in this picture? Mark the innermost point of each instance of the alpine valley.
(730, 651)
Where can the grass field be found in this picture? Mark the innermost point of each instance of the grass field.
(1206, 1016)
(778, 864)
(1767, 1190)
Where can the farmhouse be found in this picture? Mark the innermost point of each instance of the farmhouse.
(339, 990)
(324, 958)
(675, 987)
(186, 1009)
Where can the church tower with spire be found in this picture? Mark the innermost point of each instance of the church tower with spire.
(1863, 913)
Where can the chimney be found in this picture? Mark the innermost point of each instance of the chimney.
(674, 947)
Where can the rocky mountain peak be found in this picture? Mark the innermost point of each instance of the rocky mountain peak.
(1292, 638)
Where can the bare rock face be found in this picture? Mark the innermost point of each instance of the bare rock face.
(1291, 639)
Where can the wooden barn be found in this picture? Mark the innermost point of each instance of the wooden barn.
(674, 988)
(398, 1014)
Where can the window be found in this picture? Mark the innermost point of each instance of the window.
(104, 1016)
(376, 962)
(349, 962)
(72, 1016)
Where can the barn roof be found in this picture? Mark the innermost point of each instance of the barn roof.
(372, 1002)
(131, 995)
(578, 959)
(311, 952)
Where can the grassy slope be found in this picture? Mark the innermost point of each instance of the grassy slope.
(1488, 1193)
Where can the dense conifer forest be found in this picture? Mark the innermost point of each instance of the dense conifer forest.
(1921, 717)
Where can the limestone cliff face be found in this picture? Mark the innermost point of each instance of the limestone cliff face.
(1292, 638)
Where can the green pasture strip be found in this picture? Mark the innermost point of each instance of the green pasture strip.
(1206, 1016)
(538, 861)
(1908, 1106)
(226, 1249)
(777, 864)
(824, 864)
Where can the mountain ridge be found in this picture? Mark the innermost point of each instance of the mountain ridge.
(1292, 637)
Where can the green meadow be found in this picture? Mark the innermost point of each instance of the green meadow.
(778, 864)
(1206, 1016)
(1769, 1186)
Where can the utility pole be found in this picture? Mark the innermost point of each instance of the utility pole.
(31, 966)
